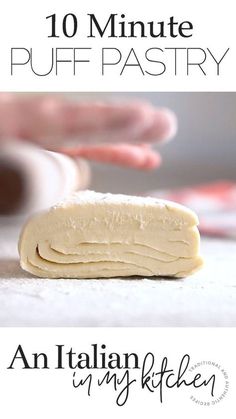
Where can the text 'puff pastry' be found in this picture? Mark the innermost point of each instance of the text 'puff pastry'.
(96, 235)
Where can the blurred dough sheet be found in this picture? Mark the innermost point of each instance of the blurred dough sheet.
(214, 202)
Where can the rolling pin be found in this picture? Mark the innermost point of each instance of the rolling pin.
(32, 179)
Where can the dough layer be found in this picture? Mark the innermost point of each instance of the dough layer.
(95, 235)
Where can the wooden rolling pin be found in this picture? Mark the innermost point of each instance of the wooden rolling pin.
(32, 179)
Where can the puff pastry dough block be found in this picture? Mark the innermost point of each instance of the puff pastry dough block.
(95, 235)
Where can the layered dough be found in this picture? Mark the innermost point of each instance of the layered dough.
(95, 235)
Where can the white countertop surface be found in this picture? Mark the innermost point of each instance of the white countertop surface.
(207, 298)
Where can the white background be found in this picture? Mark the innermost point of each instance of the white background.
(49, 393)
(46, 394)
(24, 24)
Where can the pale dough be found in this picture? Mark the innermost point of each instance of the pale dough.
(95, 235)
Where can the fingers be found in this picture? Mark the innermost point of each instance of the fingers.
(160, 126)
(54, 120)
(91, 121)
(163, 127)
(126, 155)
(46, 118)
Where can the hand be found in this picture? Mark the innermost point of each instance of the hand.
(117, 133)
